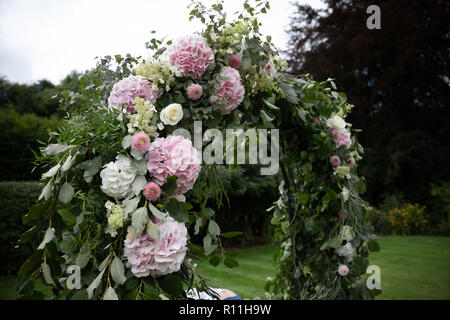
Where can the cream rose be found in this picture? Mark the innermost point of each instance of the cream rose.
(171, 114)
(336, 122)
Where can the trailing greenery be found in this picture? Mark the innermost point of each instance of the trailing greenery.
(16, 199)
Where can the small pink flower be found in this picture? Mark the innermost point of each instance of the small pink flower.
(335, 161)
(343, 214)
(351, 162)
(141, 142)
(152, 191)
(234, 61)
(316, 120)
(343, 270)
(195, 91)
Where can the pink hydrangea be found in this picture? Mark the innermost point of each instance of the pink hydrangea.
(126, 90)
(230, 92)
(141, 142)
(151, 191)
(174, 156)
(234, 61)
(335, 161)
(191, 55)
(195, 91)
(341, 138)
(157, 256)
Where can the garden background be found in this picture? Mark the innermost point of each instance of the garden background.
(398, 79)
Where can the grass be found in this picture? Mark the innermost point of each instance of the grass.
(415, 267)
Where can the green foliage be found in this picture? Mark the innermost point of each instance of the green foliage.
(16, 199)
(18, 140)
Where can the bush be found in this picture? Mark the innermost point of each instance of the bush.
(18, 137)
(409, 219)
(379, 220)
(16, 198)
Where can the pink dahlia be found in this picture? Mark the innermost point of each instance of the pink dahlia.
(126, 90)
(343, 270)
(195, 91)
(141, 142)
(335, 161)
(151, 191)
(234, 61)
(174, 156)
(230, 92)
(191, 55)
(341, 138)
(157, 256)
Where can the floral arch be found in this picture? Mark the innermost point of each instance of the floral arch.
(113, 216)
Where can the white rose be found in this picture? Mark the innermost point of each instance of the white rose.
(342, 172)
(336, 122)
(172, 114)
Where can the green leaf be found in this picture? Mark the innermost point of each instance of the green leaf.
(170, 186)
(270, 105)
(207, 212)
(27, 235)
(83, 257)
(172, 284)
(118, 271)
(50, 173)
(215, 260)
(47, 274)
(127, 141)
(177, 211)
(230, 262)
(150, 293)
(156, 213)
(130, 205)
(56, 148)
(373, 246)
(213, 228)
(303, 199)
(139, 220)
(232, 234)
(68, 217)
(198, 224)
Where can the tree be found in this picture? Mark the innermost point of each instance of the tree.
(397, 76)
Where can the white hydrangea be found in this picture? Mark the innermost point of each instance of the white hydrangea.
(336, 123)
(117, 178)
(347, 251)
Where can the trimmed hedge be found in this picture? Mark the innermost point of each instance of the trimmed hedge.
(16, 198)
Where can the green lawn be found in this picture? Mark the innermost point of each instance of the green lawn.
(415, 267)
(411, 268)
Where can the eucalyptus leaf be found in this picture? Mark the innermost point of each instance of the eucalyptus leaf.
(139, 184)
(66, 193)
(130, 205)
(110, 294)
(156, 213)
(47, 275)
(127, 141)
(56, 148)
(50, 173)
(118, 271)
(213, 228)
(139, 219)
(46, 191)
(49, 235)
(95, 284)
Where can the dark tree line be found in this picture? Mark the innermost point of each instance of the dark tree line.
(397, 76)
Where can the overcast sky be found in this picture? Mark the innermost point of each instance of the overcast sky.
(49, 38)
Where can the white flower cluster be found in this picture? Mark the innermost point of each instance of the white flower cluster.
(117, 178)
(141, 121)
(347, 251)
